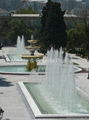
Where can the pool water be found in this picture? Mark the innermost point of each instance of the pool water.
(49, 105)
(21, 68)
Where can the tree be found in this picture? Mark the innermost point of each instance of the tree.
(78, 39)
(28, 10)
(3, 32)
(17, 28)
(87, 41)
(53, 30)
(11, 28)
(76, 36)
(45, 14)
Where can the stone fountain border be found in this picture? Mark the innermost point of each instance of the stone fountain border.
(27, 73)
(37, 113)
(19, 73)
(7, 58)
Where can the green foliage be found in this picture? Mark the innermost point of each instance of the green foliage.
(9, 30)
(3, 32)
(78, 39)
(75, 38)
(53, 30)
(28, 10)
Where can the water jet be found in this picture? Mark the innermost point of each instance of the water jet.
(57, 95)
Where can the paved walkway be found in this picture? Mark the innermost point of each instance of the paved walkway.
(13, 102)
(82, 62)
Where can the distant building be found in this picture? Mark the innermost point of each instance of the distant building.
(37, 5)
(68, 4)
(24, 0)
(9, 4)
(4, 12)
(86, 1)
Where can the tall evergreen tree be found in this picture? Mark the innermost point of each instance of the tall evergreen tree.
(45, 14)
(53, 31)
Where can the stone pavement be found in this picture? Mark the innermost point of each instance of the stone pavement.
(10, 99)
(84, 63)
(13, 102)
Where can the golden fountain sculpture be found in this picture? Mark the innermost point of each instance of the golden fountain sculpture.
(32, 58)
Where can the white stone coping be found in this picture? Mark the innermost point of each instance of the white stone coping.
(8, 59)
(19, 73)
(29, 99)
(25, 15)
(39, 63)
(78, 69)
(37, 112)
(26, 73)
(22, 73)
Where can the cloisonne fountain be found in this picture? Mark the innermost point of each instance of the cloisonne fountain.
(57, 96)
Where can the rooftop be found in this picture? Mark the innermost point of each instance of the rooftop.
(25, 15)
(3, 11)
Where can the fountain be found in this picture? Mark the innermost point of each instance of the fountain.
(61, 75)
(32, 58)
(32, 38)
(20, 49)
(18, 46)
(57, 96)
(22, 54)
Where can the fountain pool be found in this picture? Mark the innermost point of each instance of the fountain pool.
(44, 105)
(57, 95)
(21, 69)
(14, 58)
(17, 54)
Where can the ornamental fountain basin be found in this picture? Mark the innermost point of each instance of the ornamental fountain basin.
(57, 96)
(21, 69)
(45, 106)
(49, 99)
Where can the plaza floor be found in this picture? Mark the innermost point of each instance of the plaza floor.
(11, 99)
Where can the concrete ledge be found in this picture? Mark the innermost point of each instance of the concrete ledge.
(19, 73)
(22, 73)
(37, 112)
(29, 99)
